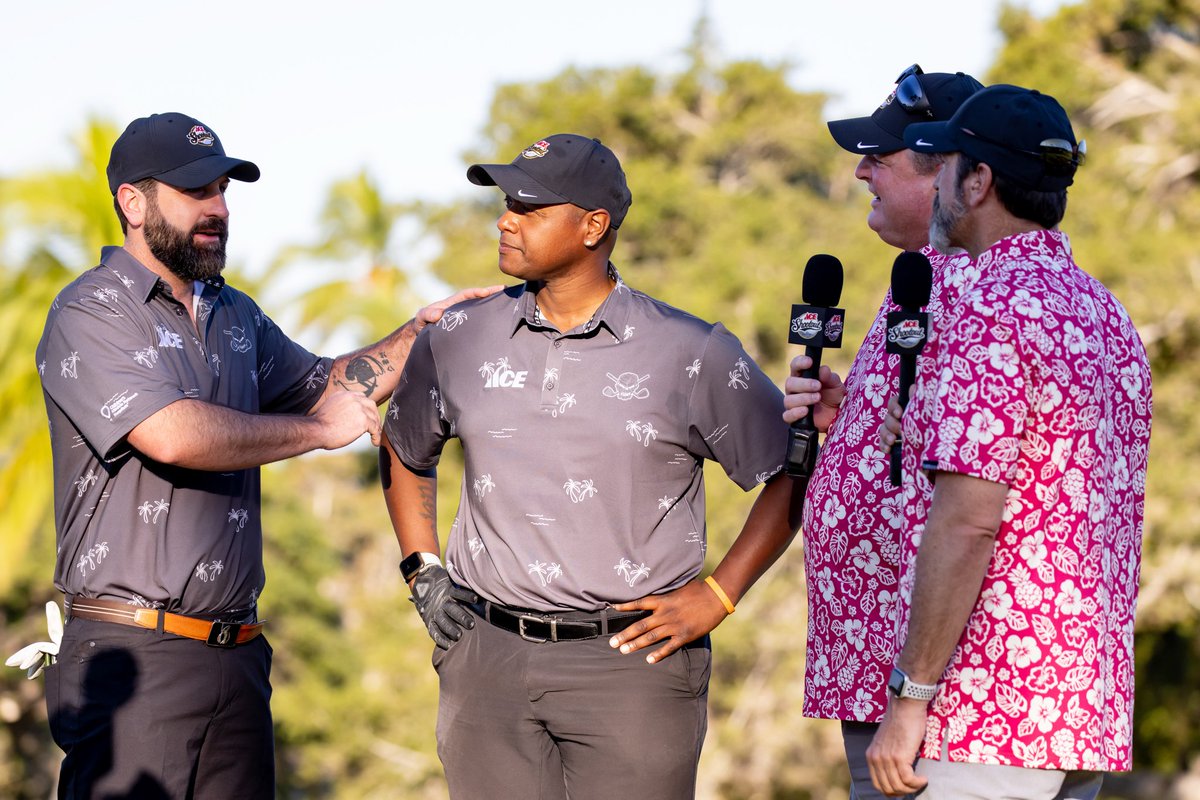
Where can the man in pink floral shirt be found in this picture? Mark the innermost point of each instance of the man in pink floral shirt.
(1031, 421)
(852, 515)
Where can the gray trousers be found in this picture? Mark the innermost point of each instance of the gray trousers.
(153, 716)
(856, 737)
(568, 720)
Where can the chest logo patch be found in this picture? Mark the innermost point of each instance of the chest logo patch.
(627, 386)
(499, 375)
(169, 338)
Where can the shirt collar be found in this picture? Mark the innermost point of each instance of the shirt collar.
(1050, 245)
(613, 313)
(140, 279)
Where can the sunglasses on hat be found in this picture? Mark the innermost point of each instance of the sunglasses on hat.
(1059, 156)
(909, 93)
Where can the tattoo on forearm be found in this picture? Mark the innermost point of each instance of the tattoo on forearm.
(428, 492)
(363, 371)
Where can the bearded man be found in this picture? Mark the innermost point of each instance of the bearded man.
(166, 390)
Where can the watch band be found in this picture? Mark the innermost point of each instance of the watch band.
(414, 563)
(901, 686)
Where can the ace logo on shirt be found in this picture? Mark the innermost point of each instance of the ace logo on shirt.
(499, 375)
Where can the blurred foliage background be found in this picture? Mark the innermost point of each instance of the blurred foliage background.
(736, 182)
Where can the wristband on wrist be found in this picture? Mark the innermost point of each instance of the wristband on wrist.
(720, 593)
(901, 686)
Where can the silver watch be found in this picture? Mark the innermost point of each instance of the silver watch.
(900, 685)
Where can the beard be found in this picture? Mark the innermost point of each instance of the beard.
(945, 220)
(178, 250)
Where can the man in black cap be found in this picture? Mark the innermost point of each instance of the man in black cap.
(166, 389)
(851, 533)
(586, 410)
(1025, 450)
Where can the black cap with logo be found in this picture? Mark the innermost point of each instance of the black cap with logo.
(1020, 133)
(918, 97)
(563, 168)
(175, 149)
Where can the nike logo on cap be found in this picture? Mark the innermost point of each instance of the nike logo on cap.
(521, 193)
(922, 143)
(862, 146)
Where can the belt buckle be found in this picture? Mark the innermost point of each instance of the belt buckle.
(552, 622)
(223, 634)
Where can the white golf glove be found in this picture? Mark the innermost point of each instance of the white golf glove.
(36, 657)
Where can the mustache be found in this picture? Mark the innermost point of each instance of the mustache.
(212, 227)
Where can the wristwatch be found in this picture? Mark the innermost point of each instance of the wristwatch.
(901, 686)
(415, 563)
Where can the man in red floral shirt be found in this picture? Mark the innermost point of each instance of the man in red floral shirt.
(1030, 418)
(852, 514)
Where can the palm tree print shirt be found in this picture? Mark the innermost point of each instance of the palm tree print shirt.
(118, 347)
(583, 481)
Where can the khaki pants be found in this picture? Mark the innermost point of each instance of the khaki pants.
(960, 781)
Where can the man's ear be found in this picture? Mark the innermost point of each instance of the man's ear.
(133, 203)
(978, 184)
(597, 224)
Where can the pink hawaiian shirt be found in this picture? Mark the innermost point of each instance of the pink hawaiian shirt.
(1037, 379)
(852, 524)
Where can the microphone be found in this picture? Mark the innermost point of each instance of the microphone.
(908, 328)
(816, 324)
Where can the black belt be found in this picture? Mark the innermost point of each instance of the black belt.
(536, 626)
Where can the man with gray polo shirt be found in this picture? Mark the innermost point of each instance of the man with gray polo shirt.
(586, 410)
(166, 389)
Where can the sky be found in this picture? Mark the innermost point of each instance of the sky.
(313, 92)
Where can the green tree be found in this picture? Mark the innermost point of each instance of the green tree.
(66, 212)
(358, 229)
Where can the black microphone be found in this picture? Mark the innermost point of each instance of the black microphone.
(908, 329)
(816, 325)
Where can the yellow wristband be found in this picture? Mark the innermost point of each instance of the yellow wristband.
(720, 593)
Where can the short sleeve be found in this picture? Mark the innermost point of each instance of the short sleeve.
(297, 378)
(978, 393)
(93, 371)
(415, 423)
(735, 413)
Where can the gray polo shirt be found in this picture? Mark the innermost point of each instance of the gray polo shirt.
(583, 481)
(118, 347)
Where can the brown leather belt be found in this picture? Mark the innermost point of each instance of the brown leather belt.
(211, 632)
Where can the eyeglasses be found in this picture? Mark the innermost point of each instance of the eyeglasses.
(1059, 156)
(909, 93)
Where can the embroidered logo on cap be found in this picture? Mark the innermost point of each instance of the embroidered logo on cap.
(200, 135)
(536, 150)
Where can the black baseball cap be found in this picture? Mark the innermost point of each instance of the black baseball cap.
(563, 168)
(918, 97)
(1020, 133)
(175, 149)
